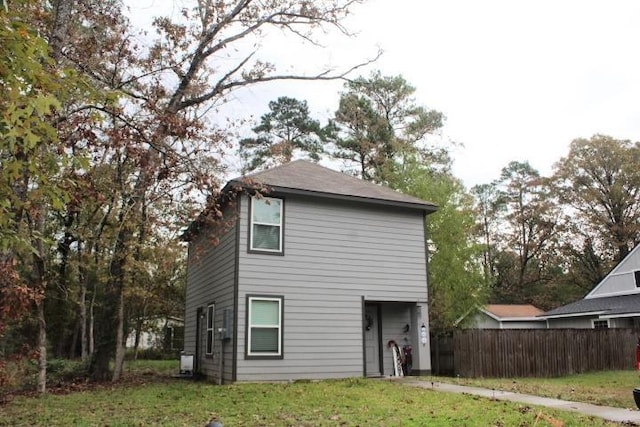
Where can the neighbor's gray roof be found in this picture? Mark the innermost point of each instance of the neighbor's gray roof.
(604, 306)
(303, 177)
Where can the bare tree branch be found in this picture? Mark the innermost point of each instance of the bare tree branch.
(222, 87)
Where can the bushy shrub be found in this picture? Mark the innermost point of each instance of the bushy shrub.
(154, 354)
(16, 374)
(64, 370)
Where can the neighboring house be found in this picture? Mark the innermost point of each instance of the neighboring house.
(165, 333)
(507, 316)
(613, 303)
(311, 280)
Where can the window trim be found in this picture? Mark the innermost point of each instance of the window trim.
(210, 331)
(248, 354)
(250, 248)
(593, 323)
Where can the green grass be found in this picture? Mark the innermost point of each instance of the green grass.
(151, 400)
(610, 388)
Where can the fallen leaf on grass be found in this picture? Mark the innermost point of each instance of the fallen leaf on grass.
(548, 418)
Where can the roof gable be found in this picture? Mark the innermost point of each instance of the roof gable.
(621, 279)
(304, 177)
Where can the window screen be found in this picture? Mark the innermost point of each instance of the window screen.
(266, 224)
(265, 326)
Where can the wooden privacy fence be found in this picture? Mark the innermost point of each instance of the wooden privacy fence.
(542, 352)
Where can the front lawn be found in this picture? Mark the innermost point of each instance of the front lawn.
(152, 400)
(610, 388)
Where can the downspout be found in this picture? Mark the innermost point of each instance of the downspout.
(221, 362)
(236, 285)
(364, 350)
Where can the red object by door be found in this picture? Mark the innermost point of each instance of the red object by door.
(638, 354)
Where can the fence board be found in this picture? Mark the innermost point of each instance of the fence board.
(535, 352)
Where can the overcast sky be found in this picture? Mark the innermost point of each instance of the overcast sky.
(517, 80)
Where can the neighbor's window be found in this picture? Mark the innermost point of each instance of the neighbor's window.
(601, 324)
(210, 313)
(264, 326)
(636, 275)
(266, 224)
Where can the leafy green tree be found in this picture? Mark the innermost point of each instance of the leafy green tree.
(30, 158)
(584, 268)
(487, 207)
(456, 282)
(600, 181)
(528, 234)
(286, 130)
(378, 124)
(159, 270)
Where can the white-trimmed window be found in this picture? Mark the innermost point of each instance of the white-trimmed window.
(209, 343)
(264, 326)
(266, 224)
(600, 323)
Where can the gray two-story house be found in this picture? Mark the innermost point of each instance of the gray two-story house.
(308, 273)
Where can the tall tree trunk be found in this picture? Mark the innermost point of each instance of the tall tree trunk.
(42, 349)
(106, 334)
(58, 33)
(108, 345)
(82, 319)
(136, 344)
(120, 344)
(91, 323)
(73, 347)
(87, 277)
(40, 285)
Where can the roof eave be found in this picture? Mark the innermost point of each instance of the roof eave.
(579, 314)
(522, 319)
(428, 208)
(620, 315)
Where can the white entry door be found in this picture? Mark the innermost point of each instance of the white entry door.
(371, 341)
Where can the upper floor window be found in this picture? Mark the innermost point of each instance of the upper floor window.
(266, 224)
(636, 276)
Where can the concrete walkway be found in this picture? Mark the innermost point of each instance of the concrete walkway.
(628, 416)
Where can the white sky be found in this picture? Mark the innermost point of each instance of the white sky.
(517, 80)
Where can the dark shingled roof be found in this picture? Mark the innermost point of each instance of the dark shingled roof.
(303, 177)
(616, 305)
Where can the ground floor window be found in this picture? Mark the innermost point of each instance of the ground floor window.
(601, 324)
(264, 326)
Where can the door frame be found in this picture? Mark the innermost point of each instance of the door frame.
(378, 311)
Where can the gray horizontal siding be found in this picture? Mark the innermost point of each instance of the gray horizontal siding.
(622, 282)
(334, 255)
(570, 322)
(211, 274)
(483, 321)
(621, 279)
(524, 324)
